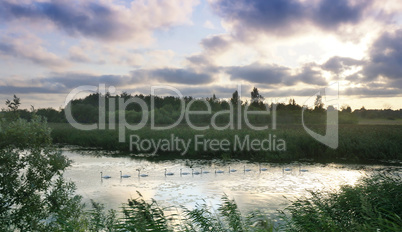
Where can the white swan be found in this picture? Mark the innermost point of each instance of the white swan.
(195, 172)
(219, 171)
(262, 169)
(168, 173)
(184, 173)
(246, 170)
(141, 175)
(232, 170)
(124, 176)
(105, 177)
(286, 169)
(302, 170)
(204, 172)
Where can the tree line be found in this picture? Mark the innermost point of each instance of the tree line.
(167, 109)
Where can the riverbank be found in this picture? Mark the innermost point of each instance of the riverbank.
(357, 143)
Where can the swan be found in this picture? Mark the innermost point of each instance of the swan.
(204, 172)
(219, 171)
(168, 173)
(105, 177)
(263, 169)
(124, 176)
(232, 170)
(246, 170)
(302, 170)
(286, 169)
(195, 172)
(183, 173)
(141, 175)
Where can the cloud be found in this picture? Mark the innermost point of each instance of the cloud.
(9, 90)
(65, 82)
(363, 91)
(216, 43)
(69, 81)
(32, 51)
(287, 17)
(173, 75)
(76, 54)
(257, 73)
(276, 74)
(385, 57)
(331, 14)
(101, 20)
(199, 60)
(309, 75)
(338, 64)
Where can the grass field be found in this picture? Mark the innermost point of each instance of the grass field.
(380, 121)
(357, 143)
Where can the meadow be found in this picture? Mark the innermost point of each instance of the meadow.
(357, 143)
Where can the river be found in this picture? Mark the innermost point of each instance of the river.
(266, 190)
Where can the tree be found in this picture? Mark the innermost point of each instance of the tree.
(125, 95)
(33, 193)
(235, 99)
(346, 109)
(318, 105)
(256, 96)
(13, 107)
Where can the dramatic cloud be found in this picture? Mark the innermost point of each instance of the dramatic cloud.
(385, 57)
(217, 43)
(65, 82)
(170, 75)
(257, 73)
(330, 14)
(275, 74)
(284, 17)
(101, 20)
(338, 64)
(31, 51)
(69, 81)
(309, 75)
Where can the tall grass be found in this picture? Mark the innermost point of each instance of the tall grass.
(357, 143)
(374, 204)
(140, 215)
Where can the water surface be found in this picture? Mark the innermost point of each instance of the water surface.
(268, 190)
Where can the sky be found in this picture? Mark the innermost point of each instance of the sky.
(285, 48)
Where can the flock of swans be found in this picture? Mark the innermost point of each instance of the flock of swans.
(196, 172)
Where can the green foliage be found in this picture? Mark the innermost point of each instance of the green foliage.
(374, 204)
(99, 220)
(140, 215)
(12, 108)
(33, 194)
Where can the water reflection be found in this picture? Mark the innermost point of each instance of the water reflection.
(254, 186)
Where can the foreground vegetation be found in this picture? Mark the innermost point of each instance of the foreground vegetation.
(373, 204)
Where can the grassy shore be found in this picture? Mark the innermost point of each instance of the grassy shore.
(357, 143)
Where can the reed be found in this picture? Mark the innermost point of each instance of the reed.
(357, 143)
